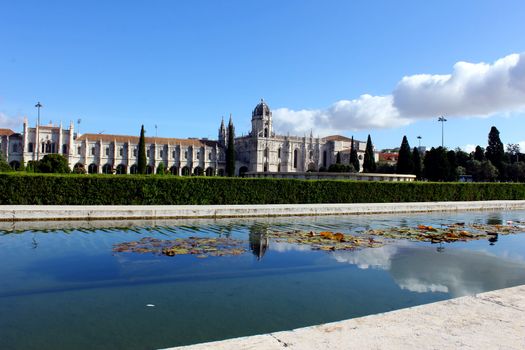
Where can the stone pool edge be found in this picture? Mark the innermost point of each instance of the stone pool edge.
(144, 212)
(488, 320)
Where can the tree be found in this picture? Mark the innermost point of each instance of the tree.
(53, 163)
(495, 151)
(230, 151)
(416, 159)
(479, 154)
(161, 169)
(436, 166)
(338, 158)
(452, 166)
(405, 165)
(462, 157)
(4, 166)
(142, 161)
(369, 164)
(354, 159)
(513, 149)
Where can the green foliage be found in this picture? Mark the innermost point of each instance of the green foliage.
(369, 164)
(354, 160)
(4, 166)
(479, 154)
(340, 168)
(338, 158)
(230, 150)
(436, 165)
(72, 189)
(416, 159)
(482, 171)
(385, 168)
(495, 151)
(52, 163)
(142, 161)
(405, 164)
(161, 169)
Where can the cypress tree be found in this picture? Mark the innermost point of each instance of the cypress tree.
(495, 151)
(142, 161)
(369, 165)
(338, 158)
(354, 160)
(230, 151)
(405, 164)
(416, 159)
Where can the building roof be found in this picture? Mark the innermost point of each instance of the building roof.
(388, 156)
(262, 109)
(6, 132)
(338, 138)
(135, 139)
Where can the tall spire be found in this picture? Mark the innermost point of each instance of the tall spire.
(231, 120)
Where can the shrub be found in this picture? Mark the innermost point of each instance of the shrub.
(17, 188)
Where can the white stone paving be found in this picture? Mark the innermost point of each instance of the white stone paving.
(121, 212)
(492, 320)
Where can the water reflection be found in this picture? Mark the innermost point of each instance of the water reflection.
(258, 240)
(454, 271)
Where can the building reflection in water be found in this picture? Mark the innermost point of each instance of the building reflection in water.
(493, 239)
(259, 242)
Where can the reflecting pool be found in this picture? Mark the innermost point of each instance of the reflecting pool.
(62, 285)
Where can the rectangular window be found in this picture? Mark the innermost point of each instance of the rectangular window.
(147, 153)
(279, 153)
(209, 156)
(185, 154)
(198, 154)
(107, 151)
(135, 152)
(121, 151)
(92, 151)
(174, 153)
(161, 153)
(79, 150)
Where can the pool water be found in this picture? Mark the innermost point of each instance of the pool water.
(62, 286)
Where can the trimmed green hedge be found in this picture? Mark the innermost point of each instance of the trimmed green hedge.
(16, 188)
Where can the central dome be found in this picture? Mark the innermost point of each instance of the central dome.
(261, 110)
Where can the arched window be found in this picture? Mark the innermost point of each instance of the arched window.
(15, 148)
(279, 152)
(30, 147)
(92, 168)
(295, 158)
(134, 169)
(174, 170)
(210, 171)
(121, 169)
(265, 132)
(64, 149)
(266, 152)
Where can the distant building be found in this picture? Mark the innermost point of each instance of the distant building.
(262, 150)
(389, 157)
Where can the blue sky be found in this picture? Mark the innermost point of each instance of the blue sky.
(184, 64)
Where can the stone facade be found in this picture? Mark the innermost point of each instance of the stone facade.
(261, 151)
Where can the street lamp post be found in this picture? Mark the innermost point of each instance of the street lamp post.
(37, 143)
(442, 120)
(419, 139)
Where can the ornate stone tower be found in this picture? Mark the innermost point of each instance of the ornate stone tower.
(262, 120)
(222, 134)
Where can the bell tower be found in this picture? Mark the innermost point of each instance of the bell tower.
(262, 120)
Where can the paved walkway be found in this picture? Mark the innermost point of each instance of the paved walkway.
(493, 320)
(136, 212)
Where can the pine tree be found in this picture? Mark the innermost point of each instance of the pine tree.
(369, 165)
(405, 164)
(495, 151)
(354, 160)
(142, 161)
(230, 151)
(416, 159)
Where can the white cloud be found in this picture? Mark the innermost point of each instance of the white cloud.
(9, 122)
(469, 148)
(472, 89)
